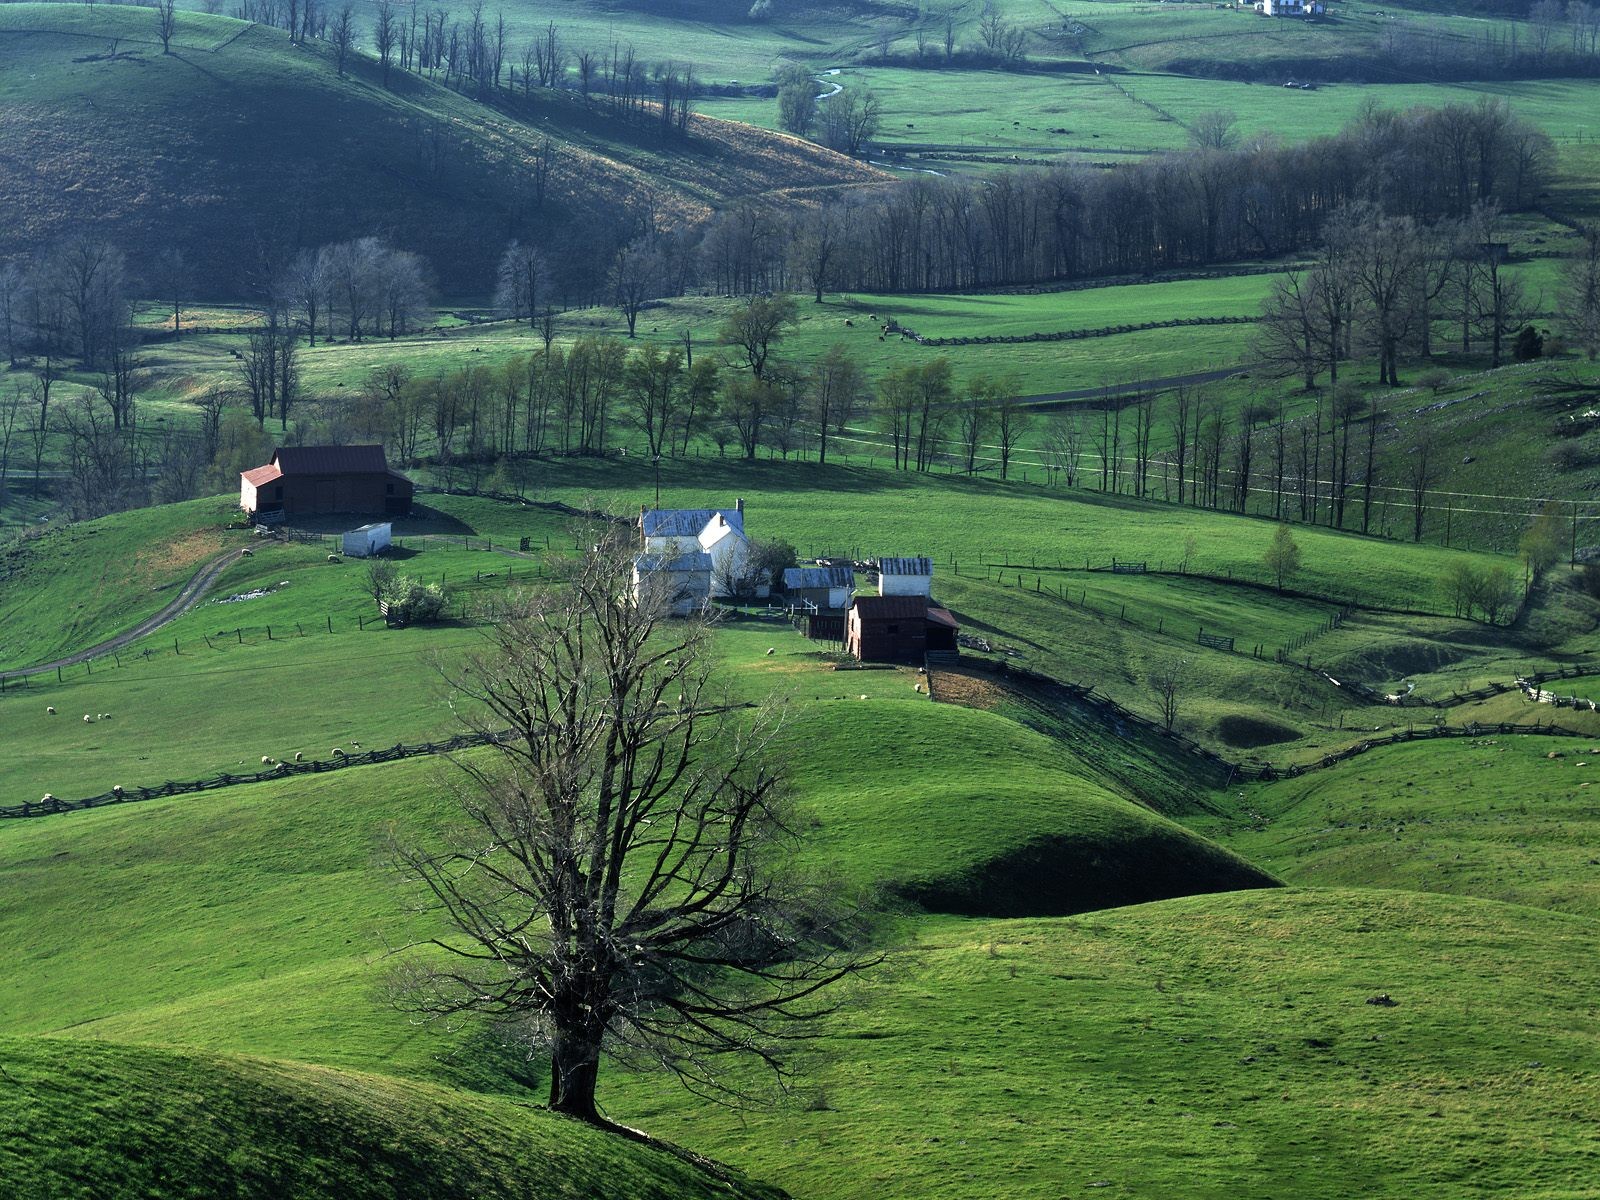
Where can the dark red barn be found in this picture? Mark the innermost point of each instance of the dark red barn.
(304, 480)
(898, 629)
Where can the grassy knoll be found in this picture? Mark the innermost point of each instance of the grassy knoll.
(1494, 817)
(1208, 1047)
(80, 583)
(278, 946)
(87, 1119)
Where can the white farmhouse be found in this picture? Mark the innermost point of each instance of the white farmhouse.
(905, 576)
(681, 581)
(717, 532)
(1290, 8)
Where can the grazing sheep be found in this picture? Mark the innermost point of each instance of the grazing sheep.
(338, 753)
(357, 745)
(87, 718)
(862, 696)
(47, 798)
(297, 756)
(266, 760)
(849, 322)
(116, 790)
(333, 558)
(101, 716)
(247, 552)
(51, 709)
(769, 650)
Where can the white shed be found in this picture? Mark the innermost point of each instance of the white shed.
(905, 576)
(829, 588)
(367, 541)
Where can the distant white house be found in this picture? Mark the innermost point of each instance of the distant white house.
(905, 576)
(717, 532)
(829, 588)
(367, 541)
(681, 581)
(1291, 8)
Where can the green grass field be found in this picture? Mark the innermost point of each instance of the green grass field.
(89, 1119)
(1495, 817)
(1097, 981)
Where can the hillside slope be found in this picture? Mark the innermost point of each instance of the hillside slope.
(86, 1119)
(260, 146)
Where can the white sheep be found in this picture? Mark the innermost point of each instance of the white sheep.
(769, 650)
(247, 552)
(87, 718)
(298, 756)
(266, 760)
(47, 798)
(51, 710)
(862, 696)
(116, 790)
(338, 753)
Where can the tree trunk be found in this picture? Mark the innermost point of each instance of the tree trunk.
(574, 1073)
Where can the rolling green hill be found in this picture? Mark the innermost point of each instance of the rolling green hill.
(1504, 818)
(105, 133)
(102, 1122)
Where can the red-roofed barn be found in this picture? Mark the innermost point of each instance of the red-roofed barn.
(304, 480)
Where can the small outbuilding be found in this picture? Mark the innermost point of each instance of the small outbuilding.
(899, 629)
(367, 541)
(829, 589)
(681, 581)
(905, 576)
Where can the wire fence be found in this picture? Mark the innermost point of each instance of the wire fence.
(1256, 770)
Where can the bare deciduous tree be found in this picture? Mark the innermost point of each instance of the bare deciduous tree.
(166, 23)
(1166, 682)
(616, 888)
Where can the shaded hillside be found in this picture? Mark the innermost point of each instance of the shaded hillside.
(239, 143)
(92, 1119)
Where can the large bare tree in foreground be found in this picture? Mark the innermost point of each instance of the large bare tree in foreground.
(619, 884)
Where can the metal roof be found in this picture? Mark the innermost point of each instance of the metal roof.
(331, 460)
(891, 608)
(686, 522)
(697, 560)
(259, 475)
(942, 616)
(906, 566)
(818, 577)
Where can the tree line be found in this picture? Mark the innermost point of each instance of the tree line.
(1224, 199)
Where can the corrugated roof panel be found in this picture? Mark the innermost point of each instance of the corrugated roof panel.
(906, 566)
(331, 460)
(686, 522)
(698, 560)
(259, 475)
(818, 577)
(891, 608)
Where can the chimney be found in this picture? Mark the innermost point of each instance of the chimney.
(738, 505)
